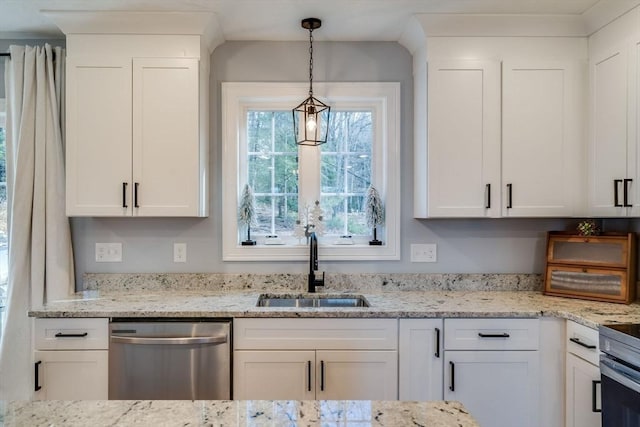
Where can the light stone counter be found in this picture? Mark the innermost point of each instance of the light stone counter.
(383, 305)
(390, 296)
(325, 413)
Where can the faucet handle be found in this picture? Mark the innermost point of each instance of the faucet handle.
(320, 282)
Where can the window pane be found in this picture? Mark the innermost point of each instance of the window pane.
(272, 164)
(346, 172)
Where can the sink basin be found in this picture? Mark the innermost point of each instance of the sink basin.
(306, 301)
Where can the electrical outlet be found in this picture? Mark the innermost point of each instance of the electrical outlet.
(424, 252)
(179, 252)
(108, 252)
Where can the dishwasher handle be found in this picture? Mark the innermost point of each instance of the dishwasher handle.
(218, 339)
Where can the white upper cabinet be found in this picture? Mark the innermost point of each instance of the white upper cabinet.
(166, 146)
(135, 139)
(504, 140)
(541, 138)
(98, 136)
(463, 138)
(614, 158)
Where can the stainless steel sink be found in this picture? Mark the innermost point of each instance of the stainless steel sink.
(306, 301)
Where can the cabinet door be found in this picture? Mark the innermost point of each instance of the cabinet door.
(166, 148)
(72, 375)
(583, 404)
(542, 150)
(98, 136)
(634, 125)
(269, 375)
(608, 151)
(420, 359)
(357, 375)
(500, 388)
(463, 139)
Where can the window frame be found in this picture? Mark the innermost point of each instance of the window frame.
(238, 97)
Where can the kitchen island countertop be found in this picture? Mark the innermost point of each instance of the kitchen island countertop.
(393, 304)
(227, 413)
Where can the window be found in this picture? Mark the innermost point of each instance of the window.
(287, 179)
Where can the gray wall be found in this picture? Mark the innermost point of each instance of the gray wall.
(499, 246)
(4, 47)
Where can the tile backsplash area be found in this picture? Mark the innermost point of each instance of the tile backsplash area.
(335, 282)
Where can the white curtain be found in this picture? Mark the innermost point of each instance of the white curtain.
(40, 254)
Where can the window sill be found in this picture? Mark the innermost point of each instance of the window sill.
(301, 253)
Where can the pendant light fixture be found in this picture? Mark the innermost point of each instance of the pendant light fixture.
(311, 117)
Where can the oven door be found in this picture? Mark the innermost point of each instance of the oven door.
(620, 394)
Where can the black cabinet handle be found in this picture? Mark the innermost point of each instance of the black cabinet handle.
(309, 375)
(615, 193)
(509, 196)
(452, 378)
(36, 365)
(322, 375)
(502, 335)
(487, 196)
(124, 194)
(577, 341)
(61, 335)
(135, 195)
(625, 193)
(594, 401)
(437, 354)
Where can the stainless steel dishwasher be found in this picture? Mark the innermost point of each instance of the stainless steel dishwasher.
(170, 359)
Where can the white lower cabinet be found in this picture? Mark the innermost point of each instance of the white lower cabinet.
(582, 393)
(298, 359)
(420, 354)
(72, 375)
(492, 367)
(71, 359)
(582, 381)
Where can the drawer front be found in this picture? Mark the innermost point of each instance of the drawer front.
(315, 334)
(71, 334)
(491, 334)
(583, 342)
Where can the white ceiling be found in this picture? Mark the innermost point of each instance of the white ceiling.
(378, 20)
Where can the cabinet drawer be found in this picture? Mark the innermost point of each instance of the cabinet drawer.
(491, 334)
(315, 334)
(583, 342)
(71, 334)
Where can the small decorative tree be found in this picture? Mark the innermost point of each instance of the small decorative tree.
(375, 213)
(247, 213)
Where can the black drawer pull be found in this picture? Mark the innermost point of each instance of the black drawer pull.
(322, 375)
(509, 196)
(577, 341)
(36, 365)
(452, 379)
(61, 335)
(437, 353)
(502, 335)
(308, 375)
(594, 401)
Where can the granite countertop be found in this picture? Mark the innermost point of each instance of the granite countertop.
(392, 304)
(234, 413)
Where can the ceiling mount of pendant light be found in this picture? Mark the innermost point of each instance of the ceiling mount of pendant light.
(311, 117)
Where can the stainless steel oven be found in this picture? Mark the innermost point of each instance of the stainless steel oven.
(620, 375)
(170, 359)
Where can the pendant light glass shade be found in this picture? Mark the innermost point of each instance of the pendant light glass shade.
(311, 117)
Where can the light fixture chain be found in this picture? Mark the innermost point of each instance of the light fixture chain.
(310, 62)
